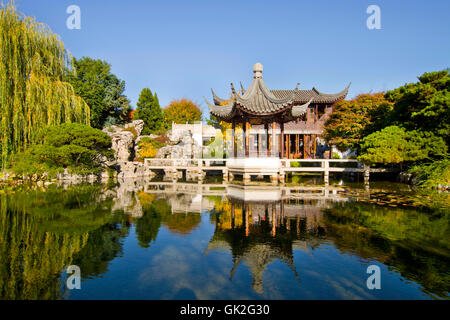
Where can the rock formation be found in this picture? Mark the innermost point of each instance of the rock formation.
(125, 142)
(123, 139)
(138, 126)
(181, 146)
(132, 169)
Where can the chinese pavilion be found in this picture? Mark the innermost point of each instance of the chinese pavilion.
(276, 125)
(295, 117)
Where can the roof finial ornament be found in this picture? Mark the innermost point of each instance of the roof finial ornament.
(242, 88)
(298, 86)
(257, 70)
(232, 88)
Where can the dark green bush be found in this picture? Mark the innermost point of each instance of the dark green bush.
(80, 148)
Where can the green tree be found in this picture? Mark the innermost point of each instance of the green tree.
(424, 105)
(147, 227)
(354, 119)
(117, 104)
(182, 111)
(396, 145)
(431, 174)
(34, 91)
(102, 91)
(149, 110)
(77, 147)
(385, 234)
(42, 232)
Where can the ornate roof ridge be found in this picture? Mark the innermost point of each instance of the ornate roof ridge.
(298, 111)
(224, 111)
(338, 94)
(217, 100)
(259, 83)
(258, 100)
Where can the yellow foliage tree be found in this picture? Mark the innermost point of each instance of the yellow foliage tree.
(182, 111)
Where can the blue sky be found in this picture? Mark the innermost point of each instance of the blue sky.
(183, 48)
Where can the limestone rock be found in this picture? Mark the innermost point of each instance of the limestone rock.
(126, 198)
(122, 144)
(181, 146)
(123, 141)
(134, 170)
(138, 126)
(66, 176)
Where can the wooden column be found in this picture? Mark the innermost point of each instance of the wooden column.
(274, 137)
(244, 132)
(247, 220)
(247, 137)
(266, 129)
(313, 146)
(289, 146)
(305, 148)
(282, 139)
(286, 147)
(297, 143)
(258, 144)
(274, 221)
(233, 139)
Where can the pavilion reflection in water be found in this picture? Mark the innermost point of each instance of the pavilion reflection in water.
(269, 229)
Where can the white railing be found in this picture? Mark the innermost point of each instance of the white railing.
(324, 163)
(285, 163)
(160, 163)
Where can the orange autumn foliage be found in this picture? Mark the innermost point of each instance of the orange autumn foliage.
(182, 111)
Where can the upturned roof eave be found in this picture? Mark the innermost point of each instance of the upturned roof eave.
(302, 96)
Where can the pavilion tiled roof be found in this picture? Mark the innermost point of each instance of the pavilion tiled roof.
(302, 96)
(258, 100)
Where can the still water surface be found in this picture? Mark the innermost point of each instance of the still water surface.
(190, 241)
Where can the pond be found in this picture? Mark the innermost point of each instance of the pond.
(156, 240)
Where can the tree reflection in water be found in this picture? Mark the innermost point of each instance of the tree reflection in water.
(43, 231)
(413, 243)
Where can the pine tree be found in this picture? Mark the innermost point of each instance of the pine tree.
(102, 90)
(149, 110)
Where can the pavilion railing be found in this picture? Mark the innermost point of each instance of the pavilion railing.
(162, 163)
(285, 163)
(321, 163)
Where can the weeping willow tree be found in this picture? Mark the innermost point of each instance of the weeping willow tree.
(32, 259)
(34, 66)
(44, 231)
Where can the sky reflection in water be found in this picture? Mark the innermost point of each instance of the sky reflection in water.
(149, 241)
